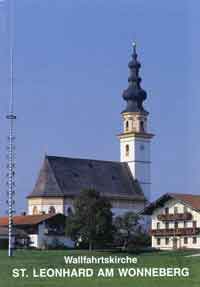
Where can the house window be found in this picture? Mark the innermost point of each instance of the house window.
(167, 225)
(185, 209)
(194, 240)
(35, 210)
(127, 150)
(185, 240)
(167, 210)
(158, 225)
(175, 210)
(52, 209)
(166, 241)
(185, 224)
(158, 241)
(175, 224)
(194, 224)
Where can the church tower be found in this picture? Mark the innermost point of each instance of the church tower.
(135, 139)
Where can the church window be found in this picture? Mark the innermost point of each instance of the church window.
(127, 150)
(52, 209)
(127, 125)
(142, 126)
(35, 210)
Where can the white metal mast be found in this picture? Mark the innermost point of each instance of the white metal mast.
(11, 139)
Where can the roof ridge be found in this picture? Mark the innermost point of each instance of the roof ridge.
(77, 158)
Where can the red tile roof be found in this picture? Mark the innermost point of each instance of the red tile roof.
(26, 219)
(192, 200)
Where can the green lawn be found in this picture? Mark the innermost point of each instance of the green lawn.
(54, 259)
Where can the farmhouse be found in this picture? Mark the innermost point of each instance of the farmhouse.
(39, 230)
(175, 221)
(20, 237)
(126, 183)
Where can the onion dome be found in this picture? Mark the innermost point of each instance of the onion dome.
(134, 95)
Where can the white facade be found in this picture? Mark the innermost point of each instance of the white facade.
(135, 149)
(44, 205)
(39, 206)
(41, 239)
(181, 233)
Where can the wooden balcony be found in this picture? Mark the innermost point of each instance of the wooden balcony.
(175, 216)
(175, 232)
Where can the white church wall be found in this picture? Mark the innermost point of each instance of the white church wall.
(138, 160)
(44, 205)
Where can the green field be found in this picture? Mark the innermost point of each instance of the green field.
(54, 259)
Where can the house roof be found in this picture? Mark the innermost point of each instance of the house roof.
(66, 177)
(189, 199)
(27, 219)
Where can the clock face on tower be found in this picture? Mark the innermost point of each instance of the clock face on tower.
(141, 147)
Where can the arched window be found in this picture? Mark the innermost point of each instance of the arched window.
(127, 125)
(142, 126)
(127, 150)
(35, 210)
(52, 209)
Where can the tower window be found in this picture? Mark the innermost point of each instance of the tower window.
(127, 125)
(127, 150)
(142, 126)
(52, 210)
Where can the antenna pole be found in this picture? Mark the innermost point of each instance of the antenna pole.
(11, 142)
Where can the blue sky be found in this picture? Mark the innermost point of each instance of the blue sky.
(70, 70)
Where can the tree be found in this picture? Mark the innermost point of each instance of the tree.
(127, 226)
(91, 221)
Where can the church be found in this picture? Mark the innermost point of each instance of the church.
(127, 183)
